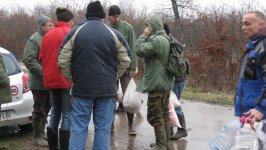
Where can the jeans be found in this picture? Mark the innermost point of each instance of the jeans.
(102, 111)
(61, 106)
(178, 88)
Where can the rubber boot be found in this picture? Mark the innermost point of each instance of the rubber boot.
(52, 137)
(42, 128)
(167, 133)
(160, 136)
(181, 132)
(171, 131)
(37, 139)
(64, 139)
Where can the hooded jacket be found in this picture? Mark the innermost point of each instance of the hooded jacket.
(251, 88)
(94, 56)
(155, 50)
(4, 84)
(52, 76)
(128, 32)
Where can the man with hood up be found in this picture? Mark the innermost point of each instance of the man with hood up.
(41, 96)
(154, 47)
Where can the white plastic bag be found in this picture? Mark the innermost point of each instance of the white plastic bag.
(119, 93)
(143, 96)
(131, 99)
(174, 100)
(173, 120)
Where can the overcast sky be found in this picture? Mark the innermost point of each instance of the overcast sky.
(151, 4)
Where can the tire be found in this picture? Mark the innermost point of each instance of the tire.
(26, 128)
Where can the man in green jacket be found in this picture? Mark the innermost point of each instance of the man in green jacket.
(41, 96)
(5, 93)
(154, 47)
(128, 32)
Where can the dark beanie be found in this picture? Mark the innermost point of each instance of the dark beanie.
(114, 10)
(166, 28)
(95, 9)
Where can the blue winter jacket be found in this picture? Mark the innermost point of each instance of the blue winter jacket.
(93, 59)
(251, 88)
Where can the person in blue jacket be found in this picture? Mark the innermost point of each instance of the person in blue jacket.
(251, 89)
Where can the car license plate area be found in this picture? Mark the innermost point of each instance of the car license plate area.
(5, 115)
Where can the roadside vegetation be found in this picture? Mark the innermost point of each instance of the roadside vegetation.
(196, 94)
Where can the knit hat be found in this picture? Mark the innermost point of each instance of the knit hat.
(42, 20)
(114, 10)
(95, 9)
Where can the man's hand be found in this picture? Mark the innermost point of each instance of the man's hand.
(254, 114)
(133, 74)
(147, 32)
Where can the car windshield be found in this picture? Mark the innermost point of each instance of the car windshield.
(11, 64)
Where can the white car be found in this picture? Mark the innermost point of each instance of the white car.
(19, 111)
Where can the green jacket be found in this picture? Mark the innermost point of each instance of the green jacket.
(155, 50)
(128, 32)
(5, 93)
(32, 62)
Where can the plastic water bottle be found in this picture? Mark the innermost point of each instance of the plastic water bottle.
(246, 139)
(226, 138)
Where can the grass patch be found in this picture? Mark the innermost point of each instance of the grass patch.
(213, 98)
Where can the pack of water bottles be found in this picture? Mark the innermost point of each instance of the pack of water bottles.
(237, 135)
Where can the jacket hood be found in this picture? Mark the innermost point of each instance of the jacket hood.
(155, 23)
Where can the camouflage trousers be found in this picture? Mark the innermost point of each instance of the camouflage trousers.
(157, 114)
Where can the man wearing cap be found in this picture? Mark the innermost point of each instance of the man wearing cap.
(93, 56)
(128, 31)
(41, 97)
(54, 80)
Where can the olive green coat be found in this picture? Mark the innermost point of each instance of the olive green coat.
(128, 32)
(155, 50)
(32, 62)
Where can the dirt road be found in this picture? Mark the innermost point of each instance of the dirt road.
(203, 122)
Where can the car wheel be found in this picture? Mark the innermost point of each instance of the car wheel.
(26, 127)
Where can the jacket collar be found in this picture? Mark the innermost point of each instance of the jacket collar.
(61, 24)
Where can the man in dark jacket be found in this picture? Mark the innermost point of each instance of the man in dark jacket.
(154, 47)
(251, 89)
(41, 96)
(54, 80)
(93, 56)
(4, 84)
(128, 32)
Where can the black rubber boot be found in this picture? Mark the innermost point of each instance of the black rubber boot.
(64, 139)
(181, 132)
(52, 137)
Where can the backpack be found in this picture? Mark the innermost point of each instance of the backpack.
(177, 65)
